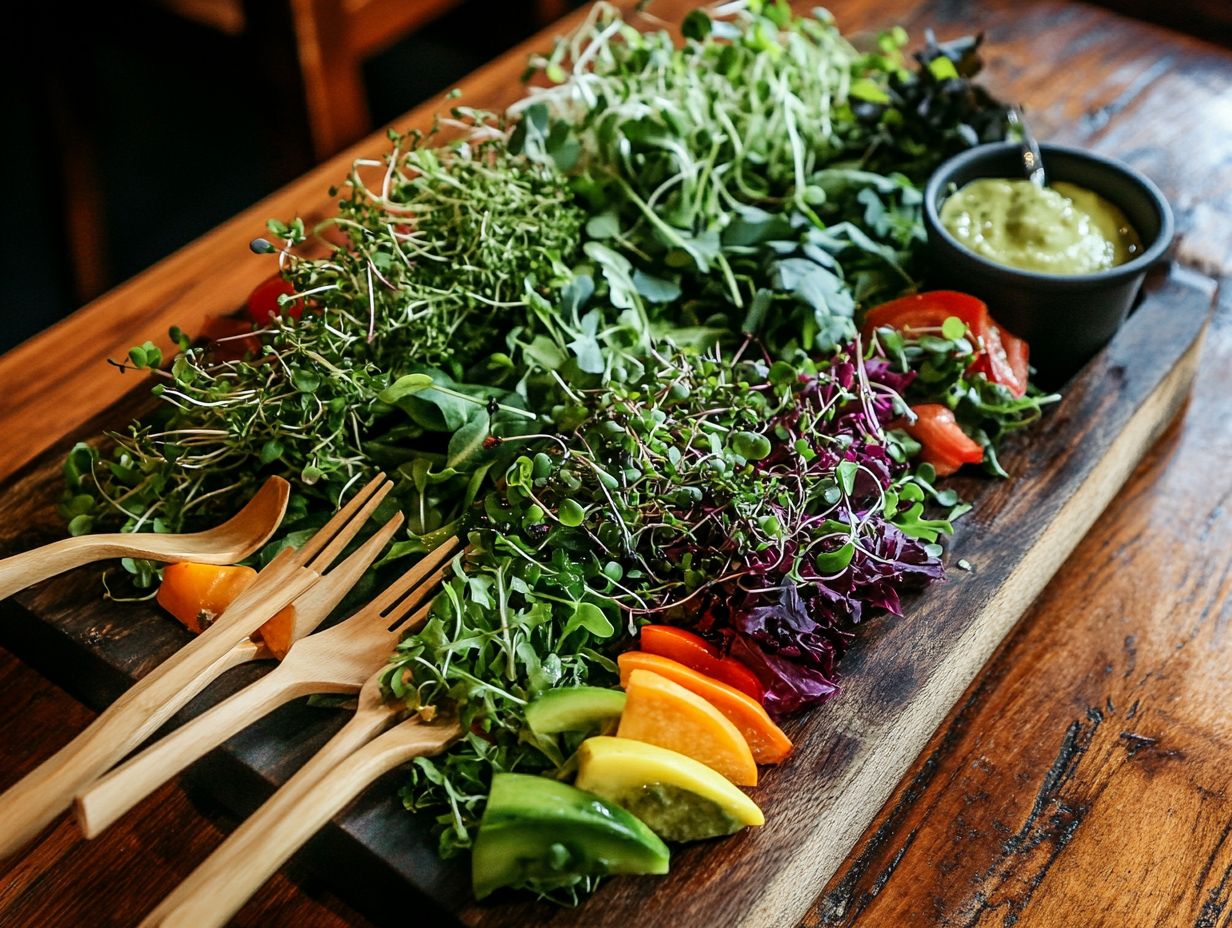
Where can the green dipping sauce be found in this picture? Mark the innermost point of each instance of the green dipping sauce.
(1059, 229)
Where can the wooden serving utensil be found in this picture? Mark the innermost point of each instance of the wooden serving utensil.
(234, 540)
(362, 751)
(337, 660)
(41, 795)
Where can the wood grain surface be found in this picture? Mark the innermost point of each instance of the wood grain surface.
(1080, 780)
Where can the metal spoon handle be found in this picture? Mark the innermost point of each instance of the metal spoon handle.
(1032, 161)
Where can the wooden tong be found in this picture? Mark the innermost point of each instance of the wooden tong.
(237, 538)
(337, 660)
(35, 800)
(361, 752)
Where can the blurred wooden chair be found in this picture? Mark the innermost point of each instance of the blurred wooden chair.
(306, 55)
(332, 39)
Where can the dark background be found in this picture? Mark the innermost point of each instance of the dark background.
(177, 126)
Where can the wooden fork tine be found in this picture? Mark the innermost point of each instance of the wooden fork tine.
(312, 607)
(399, 628)
(426, 590)
(340, 519)
(413, 577)
(320, 563)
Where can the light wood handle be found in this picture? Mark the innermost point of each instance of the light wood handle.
(358, 731)
(30, 567)
(125, 786)
(27, 807)
(221, 885)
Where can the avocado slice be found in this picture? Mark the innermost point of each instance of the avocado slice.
(678, 797)
(573, 708)
(540, 834)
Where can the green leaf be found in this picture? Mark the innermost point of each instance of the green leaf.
(845, 473)
(942, 68)
(656, 289)
(306, 381)
(868, 90)
(570, 513)
(405, 386)
(591, 618)
(78, 463)
(835, 562)
(696, 26)
(953, 328)
(603, 225)
(468, 441)
(750, 445)
(544, 352)
(271, 451)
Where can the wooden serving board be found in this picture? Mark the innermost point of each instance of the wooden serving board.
(900, 679)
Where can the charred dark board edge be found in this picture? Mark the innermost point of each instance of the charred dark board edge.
(375, 852)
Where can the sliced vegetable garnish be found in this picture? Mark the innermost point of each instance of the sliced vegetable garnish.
(197, 594)
(928, 311)
(263, 302)
(1000, 356)
(696, 652)
(574, 708)
(661, 712)
(1004, 360)
(543, 835)
(765, 739)
(679, 798)
(945, 445)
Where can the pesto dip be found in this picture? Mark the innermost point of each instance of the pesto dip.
(1059, 229)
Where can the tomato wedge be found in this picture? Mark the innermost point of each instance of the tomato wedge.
(928, 311)
(696, 653)
(1001, 357)
(1004, 360)
(263, 301)
(945, 445)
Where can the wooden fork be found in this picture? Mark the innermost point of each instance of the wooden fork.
(234, 540)
(27, 807)
(337, 660)
(362, 751)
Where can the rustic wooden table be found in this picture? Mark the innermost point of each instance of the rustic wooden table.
(1083, 778)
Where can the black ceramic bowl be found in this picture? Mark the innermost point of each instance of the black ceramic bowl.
(1064, 318)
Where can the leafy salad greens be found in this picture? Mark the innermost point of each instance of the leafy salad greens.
(611, 338)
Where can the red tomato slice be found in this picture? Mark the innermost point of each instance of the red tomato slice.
(1004, 360)
(696, 653)
(1001, 357)
(929, 311)
(263, 301)
(945, 445)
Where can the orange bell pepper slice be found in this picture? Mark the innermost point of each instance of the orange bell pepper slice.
(697, 653)
(766, 740)
(197, 594)
(660, 712)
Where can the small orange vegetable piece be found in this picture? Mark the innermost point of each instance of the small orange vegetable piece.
(197, 594)
(277, 632)
(766, 740)
(658, 711)
(696, 652)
